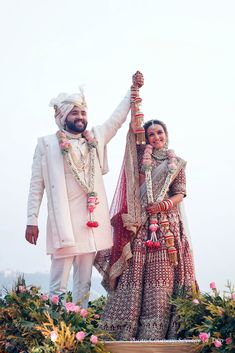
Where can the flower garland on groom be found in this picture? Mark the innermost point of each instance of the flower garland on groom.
(69, 165)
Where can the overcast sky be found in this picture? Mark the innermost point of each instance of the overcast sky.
(186, 51)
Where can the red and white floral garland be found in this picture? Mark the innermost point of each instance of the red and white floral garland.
(70, 156)
(147, 164)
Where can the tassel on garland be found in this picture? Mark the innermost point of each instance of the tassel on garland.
(172, 252)
(139, 130)
(92, 201)
(170, 242)
(140, 138)
(153, 241)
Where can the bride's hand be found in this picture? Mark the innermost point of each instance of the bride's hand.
(152, 208)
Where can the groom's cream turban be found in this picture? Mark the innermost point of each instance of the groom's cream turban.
(64, 103)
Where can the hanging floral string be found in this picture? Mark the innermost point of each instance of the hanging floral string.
(75, 166)
(137, 117)
(153, 223)
(163, 206)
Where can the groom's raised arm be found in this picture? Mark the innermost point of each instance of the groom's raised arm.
(109, 128)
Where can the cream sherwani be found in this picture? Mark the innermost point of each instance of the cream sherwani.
(67, 233)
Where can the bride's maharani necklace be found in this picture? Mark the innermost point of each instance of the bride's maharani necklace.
(160, 155)
(75, 167)
(147, 164)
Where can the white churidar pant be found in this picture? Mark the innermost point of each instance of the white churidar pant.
(82, 270)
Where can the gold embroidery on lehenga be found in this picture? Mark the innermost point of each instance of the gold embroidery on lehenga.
(139, 307)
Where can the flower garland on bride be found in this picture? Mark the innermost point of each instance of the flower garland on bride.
(75, 167)
(164, 205)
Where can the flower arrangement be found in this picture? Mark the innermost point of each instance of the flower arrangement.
(31, 322)
(209, 317)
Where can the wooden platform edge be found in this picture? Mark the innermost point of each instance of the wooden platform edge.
(166, 346)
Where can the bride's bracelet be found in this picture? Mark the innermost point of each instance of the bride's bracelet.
(165, 205)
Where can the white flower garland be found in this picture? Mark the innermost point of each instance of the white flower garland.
(147, 165)
(70, 157)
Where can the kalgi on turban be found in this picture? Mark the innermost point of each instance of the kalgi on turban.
(64, 103)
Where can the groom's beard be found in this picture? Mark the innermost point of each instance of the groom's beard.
(73, 126)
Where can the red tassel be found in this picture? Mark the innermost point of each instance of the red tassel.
(149, 243)
(92, 224)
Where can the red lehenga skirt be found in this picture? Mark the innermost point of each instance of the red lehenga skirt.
(139, 307)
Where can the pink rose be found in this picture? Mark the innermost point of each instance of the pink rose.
(53, 336)
(55, 299)
(228, 340)
(61, 134)
(94, 339)
(72, 307)
(22, 289)
(233, 296)
(76, 308)
(96, 316)
(83, 312)
(153, 227)
(203, 336)
(172, 166)
(87, 135)
(217, 343)
(147, 153)
(148, 149)
(44, 297)
(80, 336)
(92, 199)
(147, 157)
(65, 145)
(171, 154)
(195, 301)
(69, 306)
(91, 208)
(212, 285)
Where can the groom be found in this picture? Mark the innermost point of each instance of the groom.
(70, 165)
